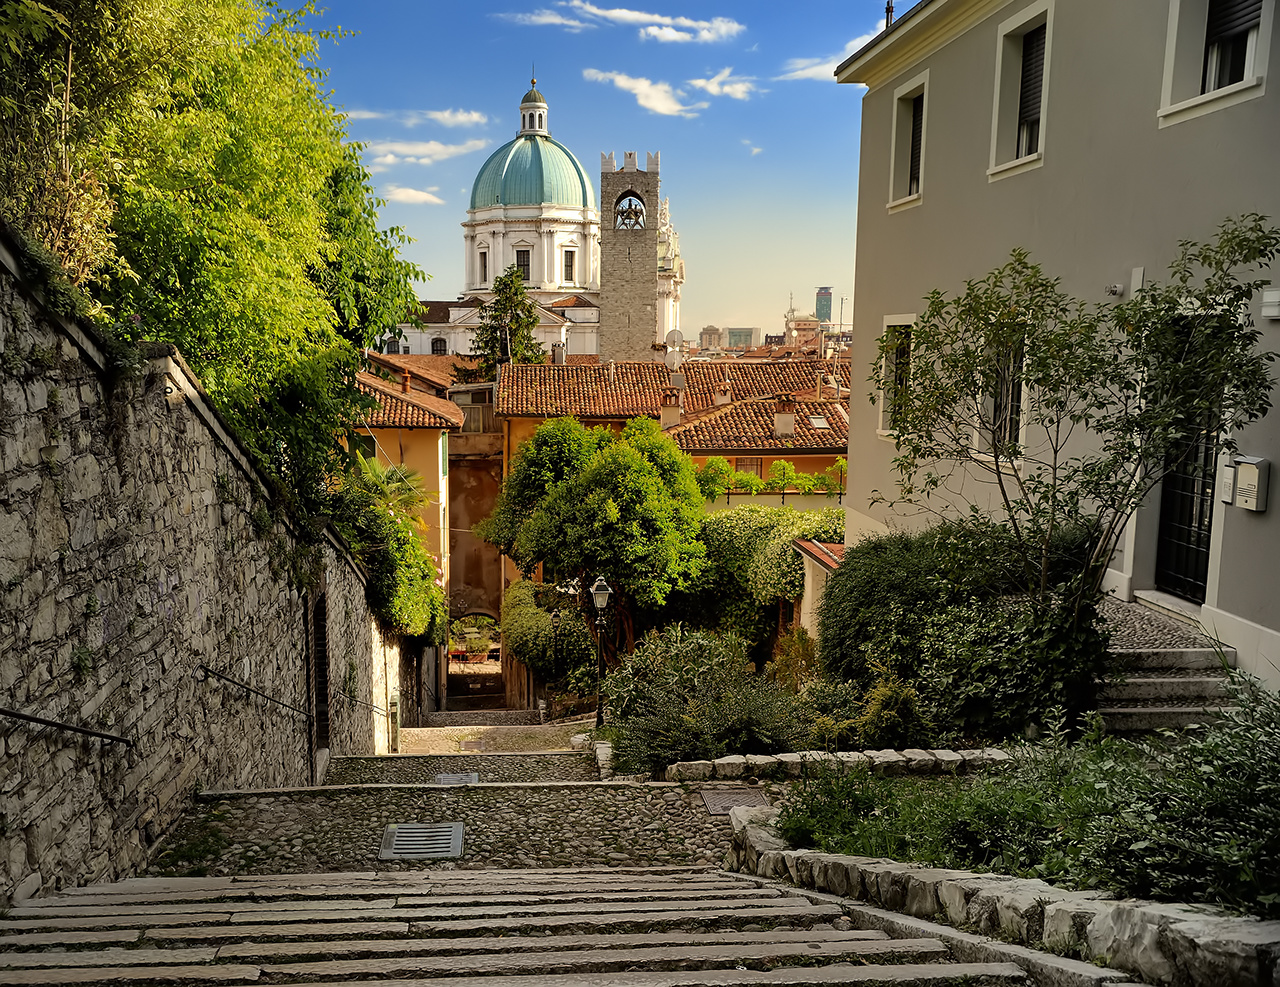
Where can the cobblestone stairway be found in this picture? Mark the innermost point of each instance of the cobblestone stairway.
(1170, 674)
(637, 927)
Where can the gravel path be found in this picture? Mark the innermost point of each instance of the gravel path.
(449, 740)
(490, 767)
(505, 826)
(1135, 626)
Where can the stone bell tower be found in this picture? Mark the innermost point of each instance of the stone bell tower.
(629, 208)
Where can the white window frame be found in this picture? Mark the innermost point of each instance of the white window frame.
(900, 143)
(482, 260)
(569, 248)
(1004, 103)
(1180, 95)
(882, 404)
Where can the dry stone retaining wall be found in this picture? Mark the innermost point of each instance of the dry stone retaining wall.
(1166, 944)
(129, 558)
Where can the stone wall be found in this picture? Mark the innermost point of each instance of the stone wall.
(137, 553)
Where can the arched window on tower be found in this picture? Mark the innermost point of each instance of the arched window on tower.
(539, 121)
(439, 347)
(628, 212)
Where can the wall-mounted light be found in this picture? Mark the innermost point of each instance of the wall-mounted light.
(1115, 290)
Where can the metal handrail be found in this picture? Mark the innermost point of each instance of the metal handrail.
(376, 709)
(111, 737)
(256, 692)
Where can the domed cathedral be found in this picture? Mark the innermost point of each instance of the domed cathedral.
(640, 256)
(532, 205)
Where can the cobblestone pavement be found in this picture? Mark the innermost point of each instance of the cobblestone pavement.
(1135, 626)
(449, 740)
(553, 825)
(490, 767)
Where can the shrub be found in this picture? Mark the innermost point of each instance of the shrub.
(833, 710)
(402, 588)
(891, 716)
(1191, 818)
(672, 660)
(795, 659)
(558, 659)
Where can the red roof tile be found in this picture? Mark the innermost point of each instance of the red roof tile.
(747, 426)
(573, 301)
(827, 554)
(763, 379)
(436, 369)
(397, 409)
(582, 390)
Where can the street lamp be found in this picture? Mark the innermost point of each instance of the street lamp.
(600, 593)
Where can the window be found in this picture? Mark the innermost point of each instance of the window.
(1022, 85)
(1230, 39)
(1216, 54)
(1030, 91)
(568, 267)
(897, 356)
(749, 464)
(484, 267)
(444, 453)
(539, 121)
(404, 349)
(439, 346)
(818, 421)
(907, 158)
(522, 264)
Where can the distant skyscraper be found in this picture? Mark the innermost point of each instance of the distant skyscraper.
(823, 307)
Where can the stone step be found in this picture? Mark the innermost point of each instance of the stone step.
(662, 956)
(108, 957)
(213, 973)
(1206, 658)
(258, 952)
(654, 889)
(918, 975)
(1206, 689)
(1147, 718)
(551, 899)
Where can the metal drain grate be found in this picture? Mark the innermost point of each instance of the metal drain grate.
(420, 841)
(720, 800)
(471, 778)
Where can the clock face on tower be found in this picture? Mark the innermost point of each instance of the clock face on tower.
(628, 214)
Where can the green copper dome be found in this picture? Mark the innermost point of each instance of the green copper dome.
(533, 96)
(532, 170)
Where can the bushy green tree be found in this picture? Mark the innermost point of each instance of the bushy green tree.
(585, 503)
(505, 331)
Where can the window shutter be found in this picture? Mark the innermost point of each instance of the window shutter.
(917, 137)
(1032, 75)
(1228, 18)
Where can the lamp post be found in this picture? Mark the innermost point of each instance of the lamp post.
(600, 593)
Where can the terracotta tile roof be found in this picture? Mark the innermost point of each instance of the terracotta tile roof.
(581, 390)
(755, 380)
(747, 426)
(827, 554)
(573, 301)
(397, 409)
(436, 369)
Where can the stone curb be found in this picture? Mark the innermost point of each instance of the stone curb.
(1166, 944)
(883, 762)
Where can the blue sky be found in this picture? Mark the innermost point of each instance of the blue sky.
(759, 145)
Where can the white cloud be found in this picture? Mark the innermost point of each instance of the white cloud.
(658, 27)
(546, 18)
(725, 83)
(365, 115)
(447, 118)
(824, 68)
(656, 97)
(754, 150)
(413, 196)
(420, 152)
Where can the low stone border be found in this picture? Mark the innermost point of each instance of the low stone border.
(1166, 944)
(885, 762)
(604, 757)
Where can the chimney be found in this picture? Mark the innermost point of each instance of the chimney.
(613, 372)
(557, 354)
(724, 393)
(406, 379)
(670, 407)
(818, 391)
(784, 415)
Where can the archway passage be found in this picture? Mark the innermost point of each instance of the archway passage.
(475, 680)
